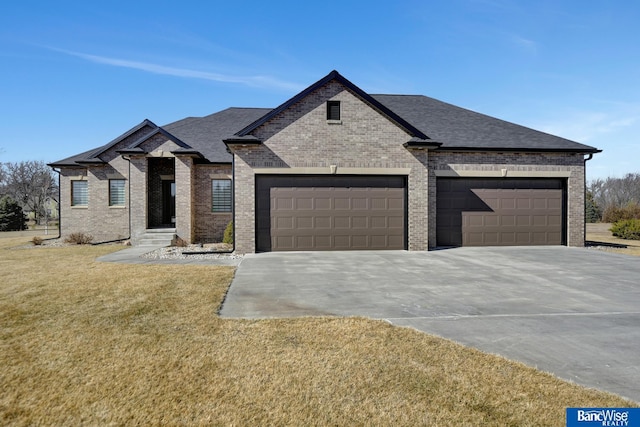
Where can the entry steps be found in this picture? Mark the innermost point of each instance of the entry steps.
(158, 237)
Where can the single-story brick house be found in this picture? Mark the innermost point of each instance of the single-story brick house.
(333, 168)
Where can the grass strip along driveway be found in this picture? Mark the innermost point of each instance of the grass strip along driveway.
(88, 343)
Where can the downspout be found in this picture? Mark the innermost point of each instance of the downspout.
(128, 159)
(233, 198)
(584, 211)
(59, 207)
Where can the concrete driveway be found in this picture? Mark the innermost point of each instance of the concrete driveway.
(573, 312)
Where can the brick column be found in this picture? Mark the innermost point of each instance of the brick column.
(245, 205)
(138, 197)
(575, 207)
(184, 198)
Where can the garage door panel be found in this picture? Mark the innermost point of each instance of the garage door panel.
(346, 213)
(341, 203)
(554, 204)
(488, 212)
(285, 241)
(360, 203)
(304, 222)
(396, 202)
(508, 237)
(523, 203)
(540, 221)
(322, 222)
(540, 203)
(341, 242)
(378, 222)
(395, 222)
(285, 222)
(506, 204)
(555, 220)
(284, 204)
(379, 241)
(360, 242)
(303, 203)
(492, 221)
(507, 220)
(379, 204)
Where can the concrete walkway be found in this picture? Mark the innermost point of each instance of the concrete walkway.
(573, 312)
(133, 255)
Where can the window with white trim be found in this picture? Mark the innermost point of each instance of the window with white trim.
(79, 193)
(117, 192)
(220, 195)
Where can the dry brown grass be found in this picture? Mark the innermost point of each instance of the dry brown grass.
(599, 232)
(87, 343)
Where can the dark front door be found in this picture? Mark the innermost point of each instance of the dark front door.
(168, 203)
(161, 192)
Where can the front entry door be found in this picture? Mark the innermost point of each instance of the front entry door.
(169, 203)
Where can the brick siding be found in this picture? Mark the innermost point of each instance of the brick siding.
(209, 226)
(301, 137)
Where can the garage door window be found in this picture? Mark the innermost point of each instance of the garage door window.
(221, 195)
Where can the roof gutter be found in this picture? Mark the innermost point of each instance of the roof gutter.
(520, 150)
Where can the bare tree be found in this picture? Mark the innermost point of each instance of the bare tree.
(616, 192)
(32, 184)
(2, 180)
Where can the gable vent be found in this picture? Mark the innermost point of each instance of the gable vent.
(333, 110)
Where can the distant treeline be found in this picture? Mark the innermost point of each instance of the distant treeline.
(613, 199)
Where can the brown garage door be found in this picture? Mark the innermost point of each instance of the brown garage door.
(298, 213)
(500, 212)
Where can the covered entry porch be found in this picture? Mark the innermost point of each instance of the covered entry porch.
(161, 185)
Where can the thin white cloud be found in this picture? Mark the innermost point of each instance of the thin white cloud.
(254, 81)
(591, 126)
(526, 44)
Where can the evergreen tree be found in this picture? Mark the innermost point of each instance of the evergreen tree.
(593, 212)
(12, 217)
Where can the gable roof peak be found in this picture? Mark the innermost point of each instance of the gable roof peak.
(335, 75)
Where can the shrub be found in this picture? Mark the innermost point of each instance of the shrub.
(37, 241)
(615, 213)
(79, 238)
(179, 242)
(228, 234)
(12, 217)
(627, 229)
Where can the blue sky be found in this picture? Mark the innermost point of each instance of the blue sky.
(76, 74)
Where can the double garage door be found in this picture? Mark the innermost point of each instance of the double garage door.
(299, 213)
(500, 212)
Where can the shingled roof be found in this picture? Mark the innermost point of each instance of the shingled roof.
(205, 134)
(461, 129)
(443, 125)
(202, 135)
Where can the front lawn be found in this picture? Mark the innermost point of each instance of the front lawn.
(88, 343)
